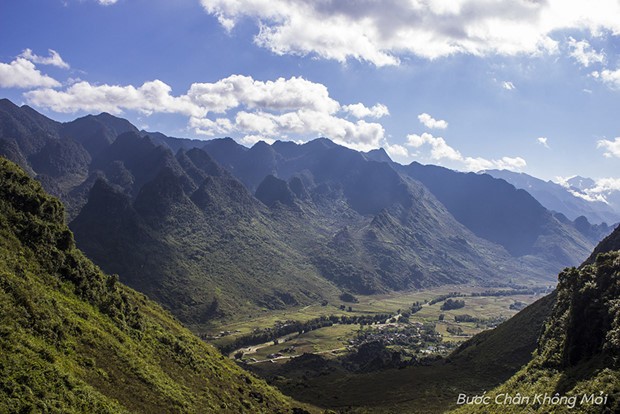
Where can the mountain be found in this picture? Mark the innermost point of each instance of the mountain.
(565, 343)
(588, 188)
(488, 207)
(497, 211)
(96, 132)
(559, 198)
(577, 351)
(73, 339)
(322, 164)
(174, 144)
(202, 229)
(190, 235)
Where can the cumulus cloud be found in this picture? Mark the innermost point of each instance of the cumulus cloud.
(543, 141)
(107, 2)
(359, 110)
(611, 78)
(397, 151)
(281, 94)
(242, 105)
(583, 53)
(611, 148)
(440, 150)
(432, 123)
(53, 59)
(383, 32)
(22, 73)
(153, 96)
(604, 185)
(208, 127)
(250, 140)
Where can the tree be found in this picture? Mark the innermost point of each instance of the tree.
(450, 304)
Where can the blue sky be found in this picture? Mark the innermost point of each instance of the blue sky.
(526, 85)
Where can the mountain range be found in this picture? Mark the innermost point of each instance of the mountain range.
(576, 357)
(75, 340)
(202, 226)
(564, 344)
(208, 225)
(571, 199)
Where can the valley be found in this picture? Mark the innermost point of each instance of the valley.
(421, 340)
(309, 207)
(478, 304)
(342, 279)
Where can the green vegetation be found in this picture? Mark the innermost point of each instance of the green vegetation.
(577, 355)
(259, 336)
(74, 340)
(366, 383)
(451, 304)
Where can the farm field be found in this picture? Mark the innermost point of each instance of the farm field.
(480, 312)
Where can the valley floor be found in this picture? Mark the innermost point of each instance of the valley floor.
(314, 361)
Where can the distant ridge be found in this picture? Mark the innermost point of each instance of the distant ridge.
(188, 225)
(558, 198)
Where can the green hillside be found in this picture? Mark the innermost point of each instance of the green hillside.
(74, 340)
(577, 355)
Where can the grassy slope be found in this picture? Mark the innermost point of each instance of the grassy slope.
(74, 340)
(578, 350)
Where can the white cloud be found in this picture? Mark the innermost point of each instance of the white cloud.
(53, 59)
(543, 141)
(397, 151)
(383, 32)
(509, 86)
(253, 139)
(504, 163)
(563, 181)
(583, 53)
(589, 195)
(22, 73)
(359, 110)
(432, 123)
(598, 192)
(609, 77)
(604, 185)
(107, 2)
(205, 126)
(246, 107)
(612, 148)
(281, 94)
(152, 96)
(440, 150)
